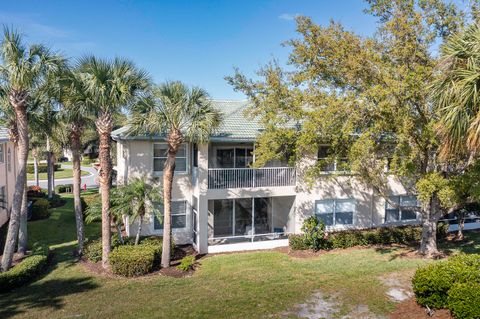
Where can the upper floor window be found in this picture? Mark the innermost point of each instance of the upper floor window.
(2, 155)
(329, 162)
(399, 208)
(3, 198)
(335, 212)
(160, 153)
(9, 159)
(179, 215)
(234, 157)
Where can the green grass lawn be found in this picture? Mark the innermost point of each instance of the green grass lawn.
(60, 173)
(240, 285)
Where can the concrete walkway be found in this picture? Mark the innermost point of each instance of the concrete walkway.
(91, 180)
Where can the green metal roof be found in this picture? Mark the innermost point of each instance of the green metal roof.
(236, 126)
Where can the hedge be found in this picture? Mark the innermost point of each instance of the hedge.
(187, 263)
(362, 237)
(93, 250)
(42, 168)
(464, 300)
(64, 188)
(130, 260)
(445, 285)
(40, 209)
(25, 271)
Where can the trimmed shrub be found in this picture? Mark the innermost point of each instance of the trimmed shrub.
(129, 261)
(297, 242)
(464, 300)
(187, 263)
(67, 188)
(40, 209)
(42, 168)
(35, 192)
(24, 272)
(431, 283)
(56, 201)
(93, 250)
(314, 233)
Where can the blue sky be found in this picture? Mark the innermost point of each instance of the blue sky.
(197, 42)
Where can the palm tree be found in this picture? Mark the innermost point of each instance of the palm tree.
(75, 119)
(134, 199)
(22, 71)
(183, 114)
(457, 95)
(109, 87)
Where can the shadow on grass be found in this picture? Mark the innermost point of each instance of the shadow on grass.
(46, 294)
(470, 245)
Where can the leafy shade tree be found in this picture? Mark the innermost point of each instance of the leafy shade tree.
(22, 71)
(134, 200)
(109, 86)
(367, 97)
(181, 114)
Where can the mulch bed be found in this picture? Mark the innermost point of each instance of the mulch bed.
(409, 309)
(172, 271)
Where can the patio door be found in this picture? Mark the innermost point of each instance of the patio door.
(234, 157)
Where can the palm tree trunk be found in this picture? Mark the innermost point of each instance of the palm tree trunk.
(119, 232)
(104, 126)
(19, 103)
(49, 170)
(139, 231)
(22, 233)
(174, 142)
(77, 203)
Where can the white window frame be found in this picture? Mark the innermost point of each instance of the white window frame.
(400, 200)
(186, 157)
(9, 159)
(331, 167)
(185, 213)
(335, 201)
(2, 153)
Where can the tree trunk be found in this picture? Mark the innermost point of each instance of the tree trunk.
(35, 167)
(77, 180)
(23, 234)
(139, 231)
(461, 225)
(174, 142)
(19, 103)
(431, 215)
(104, 126)
(119, 232)
(49, 170)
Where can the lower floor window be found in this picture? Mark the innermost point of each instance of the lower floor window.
(179, 215)
(3, 198)
(335, 211)
(399, 208)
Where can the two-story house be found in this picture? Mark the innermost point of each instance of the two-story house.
(8, 167)
(221, 203)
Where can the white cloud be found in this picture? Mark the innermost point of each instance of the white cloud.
(288, 16)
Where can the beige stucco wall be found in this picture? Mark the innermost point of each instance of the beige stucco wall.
(135, 158)
(7, 178)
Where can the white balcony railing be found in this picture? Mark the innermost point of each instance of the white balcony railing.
(219, 178)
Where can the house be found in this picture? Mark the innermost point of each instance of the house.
(222, 204)
(8, 167)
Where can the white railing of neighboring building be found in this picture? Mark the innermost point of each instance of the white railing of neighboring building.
(220, 178)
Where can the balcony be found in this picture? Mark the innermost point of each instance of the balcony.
(221, 178)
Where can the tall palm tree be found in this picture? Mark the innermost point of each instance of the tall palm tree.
(22, 71)
(182, 114)
(456, 93)
(134, 199)
(109, 87)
